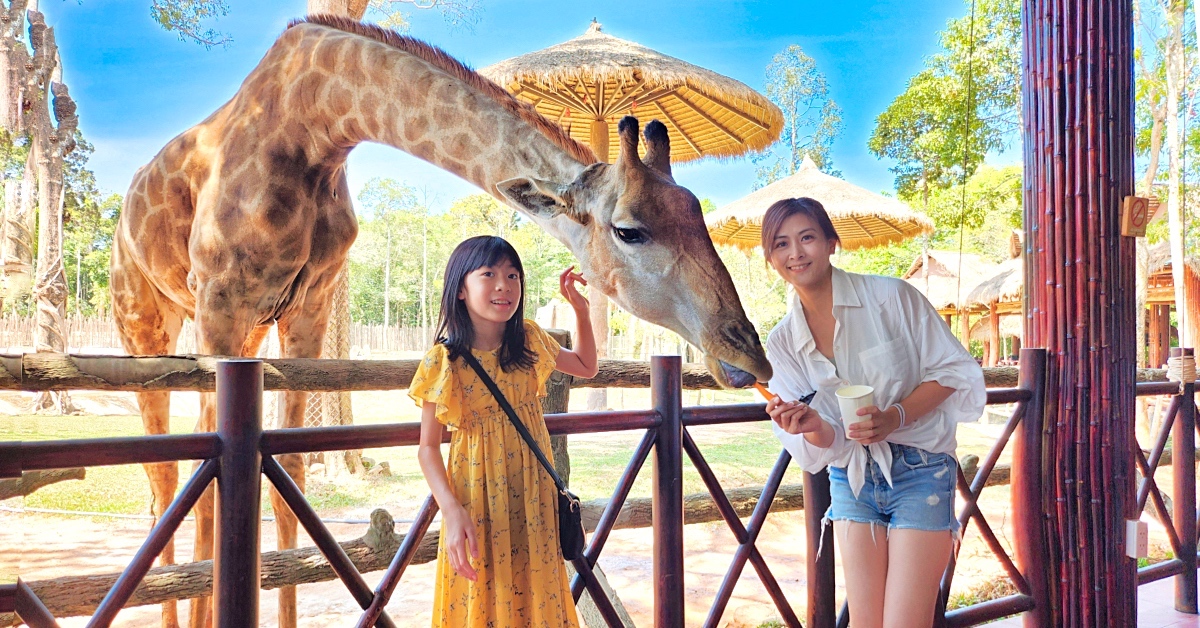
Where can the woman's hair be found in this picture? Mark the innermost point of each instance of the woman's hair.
(780, 211)
(455, 329)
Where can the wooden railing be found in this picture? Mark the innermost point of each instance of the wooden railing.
(239, 453)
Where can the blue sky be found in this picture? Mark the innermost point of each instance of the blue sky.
(137, 86)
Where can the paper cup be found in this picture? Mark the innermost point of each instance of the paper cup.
(850, 399)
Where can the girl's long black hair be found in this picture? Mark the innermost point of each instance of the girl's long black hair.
(454, 322)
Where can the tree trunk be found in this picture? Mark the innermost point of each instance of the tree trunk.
(1175, 83)
(354, 9)
(1143, 249)
(50, 288)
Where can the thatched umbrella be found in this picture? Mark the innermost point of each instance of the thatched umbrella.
(1005, 286)
(862, 218)
(945, 276)
(588, 83)
(1001, 294)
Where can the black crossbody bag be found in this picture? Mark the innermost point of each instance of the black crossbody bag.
(570, 515)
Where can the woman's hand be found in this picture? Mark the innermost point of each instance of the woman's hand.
(793, 416)
(875, 429)
(566, 285)
(461, 544)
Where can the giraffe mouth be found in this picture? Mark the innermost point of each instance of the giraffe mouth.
(736, 376)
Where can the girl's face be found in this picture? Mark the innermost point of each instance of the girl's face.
(800, 252)
(492, 293)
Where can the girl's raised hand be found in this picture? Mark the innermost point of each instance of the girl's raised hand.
(566, 285)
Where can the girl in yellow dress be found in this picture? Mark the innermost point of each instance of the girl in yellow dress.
(499, 560)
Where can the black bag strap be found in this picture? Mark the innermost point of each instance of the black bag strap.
(512, 416)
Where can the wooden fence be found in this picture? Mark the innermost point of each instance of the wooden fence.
(98, 334)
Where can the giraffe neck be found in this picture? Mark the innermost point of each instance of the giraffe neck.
(351, 89)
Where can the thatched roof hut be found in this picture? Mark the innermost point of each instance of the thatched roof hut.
(862, 218)
(943, 288)
(1005, 286)
(596, 78)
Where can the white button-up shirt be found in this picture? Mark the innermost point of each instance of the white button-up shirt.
(888, 336)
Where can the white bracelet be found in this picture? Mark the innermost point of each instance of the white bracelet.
(900, 409)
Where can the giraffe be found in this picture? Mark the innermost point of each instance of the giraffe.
(245, 219)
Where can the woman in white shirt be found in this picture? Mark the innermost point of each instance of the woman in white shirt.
(895, 468)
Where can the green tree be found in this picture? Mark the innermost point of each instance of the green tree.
(976, 76)
(811, 119)
(390, 206)
(190, 19)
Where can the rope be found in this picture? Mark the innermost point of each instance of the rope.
(966, 155)
(1182, 369)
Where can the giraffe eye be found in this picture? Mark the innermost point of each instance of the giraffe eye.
(630, 236)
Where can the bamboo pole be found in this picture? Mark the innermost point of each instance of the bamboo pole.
(1080, 305)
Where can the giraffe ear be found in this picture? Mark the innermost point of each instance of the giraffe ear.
(540, 198)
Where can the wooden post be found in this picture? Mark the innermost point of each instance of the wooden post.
(239, 425)
(558, 396)
(1029, 503)
(994, 334)
(964, 327)
(666, 397)
(1077, 99)
(821, 607)
(1183, 485)
(1159, 336)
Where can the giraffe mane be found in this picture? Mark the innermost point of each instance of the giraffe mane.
(440, 59)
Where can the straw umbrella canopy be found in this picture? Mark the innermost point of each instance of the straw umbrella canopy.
(1006, 285)
(862, 218)
(588, 83)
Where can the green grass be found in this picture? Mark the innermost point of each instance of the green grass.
(993, 589)
(740, 456)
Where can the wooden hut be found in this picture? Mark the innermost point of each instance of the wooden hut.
(1160, 300)
(1000, 295)
(945, 277)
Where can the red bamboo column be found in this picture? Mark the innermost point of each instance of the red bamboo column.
(1078, 112)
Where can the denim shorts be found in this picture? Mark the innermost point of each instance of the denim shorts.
(921, 496)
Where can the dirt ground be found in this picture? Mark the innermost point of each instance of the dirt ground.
(52, 545)
(83, 545)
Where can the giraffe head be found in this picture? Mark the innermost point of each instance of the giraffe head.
(641, 239)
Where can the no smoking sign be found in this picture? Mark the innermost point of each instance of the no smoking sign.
(1134, 216)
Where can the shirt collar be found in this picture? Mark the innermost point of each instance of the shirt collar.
(844, 294)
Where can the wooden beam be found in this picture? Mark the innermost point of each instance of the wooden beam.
(560, 99)
(732, 109)
(700, 112)
(645, 98)
(675, 126)
(633, 92)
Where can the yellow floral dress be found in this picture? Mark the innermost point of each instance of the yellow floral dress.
(522, 580)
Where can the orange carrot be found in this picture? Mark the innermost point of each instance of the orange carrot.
(768, 395)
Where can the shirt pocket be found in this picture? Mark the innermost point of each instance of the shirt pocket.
(891, 368)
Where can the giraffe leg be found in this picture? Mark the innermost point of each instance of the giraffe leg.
(218, 332)
(300, 336)
(149, 324)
